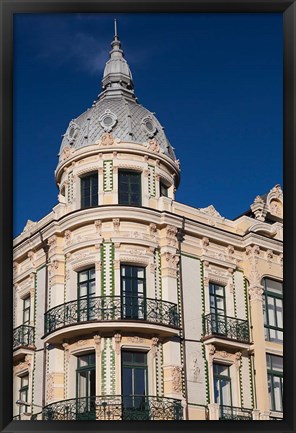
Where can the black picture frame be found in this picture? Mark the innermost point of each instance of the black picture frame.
(10, 7)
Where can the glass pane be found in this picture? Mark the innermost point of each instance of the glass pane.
(212, 288)
(82, 383)
(225, 391)
(268, 361)
(220, 304)
(140, 358)
(139, 381)
(274, 286)
(140, 288)
(83, 289)
(92, 273)
(27, 302)
(24, 381)
(216, 391)
(127, 357)
(271, 311)
(279, 312)
(26, 316)
(270, 392)
(277, 363)
(92, 383)
(140, 272)
(219, 290)
(127, 381)
(92, 287)
(277, 393)
(83, 276)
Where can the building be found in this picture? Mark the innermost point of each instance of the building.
(130, 305)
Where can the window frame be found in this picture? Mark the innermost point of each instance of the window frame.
(89, 296)
(138, 302)
(26, 309)
(162, 185)
(138, 175)
(24, 389)
(266, 313)
(215, 296)
(134, 365)
(93, 197)
(224, 377)
(274, 373)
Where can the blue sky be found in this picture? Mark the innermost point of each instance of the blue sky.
(213, 80)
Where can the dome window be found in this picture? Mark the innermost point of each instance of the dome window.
(108, 120)
(149, 126)
(72, 132)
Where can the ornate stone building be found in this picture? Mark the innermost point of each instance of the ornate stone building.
(130, 305)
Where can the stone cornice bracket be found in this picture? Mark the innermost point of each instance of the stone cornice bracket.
(66, 347)
(154, 343)
(205, 244)
(259, 208)
(116, 224)
(117, 340)
(211, 352)
(98, 226)
(97, 340)
(237, 359)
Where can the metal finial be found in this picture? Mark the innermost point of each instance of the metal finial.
(115, 28)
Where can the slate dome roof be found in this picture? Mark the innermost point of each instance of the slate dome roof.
(116, 111)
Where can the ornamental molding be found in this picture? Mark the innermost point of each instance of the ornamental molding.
(98, 227)
(177, 378)
(117, 341)
(135, 339)
(210, 210)
(50, 387)
(256, 293)
(134, 259)
(154, 346)
(112, 120)
(88, 169)
(116, 224)
(132, 167)
(80, 262)
(30, 225)
(195, 370)
(153, 145)
(67, 152)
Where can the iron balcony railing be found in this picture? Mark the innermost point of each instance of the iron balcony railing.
(228, 327)
(104, 308)
(235, 413)
(23, 336)
(114, 407)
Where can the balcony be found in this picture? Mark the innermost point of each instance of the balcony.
(23, 336)
(235, 413)
(107, 311)
(226, 327)
(114, 408)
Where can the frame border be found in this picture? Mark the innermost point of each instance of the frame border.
(7, 9)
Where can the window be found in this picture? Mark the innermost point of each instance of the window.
(222, 385)
(86, 292)
(23, 392)
(273, 310)
(217, 309)
(133, 292)
(163, 190)
(26, 310)
(130, 188)
(89, 191)
(86, 386)
(134, 384)
(275, 382)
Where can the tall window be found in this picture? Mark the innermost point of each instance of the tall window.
(86, 386)
(129, 188)
(163, 189)
(89, 190)
(273, 310)
(217, 309)
(134, 381)
(133, 291)
(222, 385)
(23, 392)
(275, 382)
(86, 292)
(26, 310)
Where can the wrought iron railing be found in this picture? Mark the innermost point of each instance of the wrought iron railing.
(235, 413)
(23, 336)
(102, 308)
(115, 407)
(224, 326)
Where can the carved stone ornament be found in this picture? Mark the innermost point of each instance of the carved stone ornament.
(66, 153)
(52, 242)
(66, 347)
(49, 387)
(177, 379)
(259, 209)
(210, 210)
(135, 339)
(172, 260)
(117, 340)
(276, 192)
(154, 343)
(195, 370)
(205, 243)
(237, 359)
(211, 351)
(153, 145)
(116, 224)
(106, 139)
(29, 226)
(256, 293)
(230, 250)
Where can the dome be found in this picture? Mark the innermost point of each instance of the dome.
(116, 111)
(126, 120)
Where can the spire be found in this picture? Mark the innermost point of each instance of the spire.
(117, 78)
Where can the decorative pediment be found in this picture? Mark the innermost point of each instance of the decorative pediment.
(210, 210)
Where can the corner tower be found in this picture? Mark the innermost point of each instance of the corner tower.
(120, 144)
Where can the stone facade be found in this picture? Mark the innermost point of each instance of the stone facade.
(184, 252)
